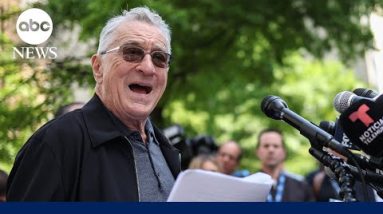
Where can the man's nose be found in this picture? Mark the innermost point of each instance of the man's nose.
(146, 65)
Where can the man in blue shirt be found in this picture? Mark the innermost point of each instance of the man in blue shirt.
(271, 151)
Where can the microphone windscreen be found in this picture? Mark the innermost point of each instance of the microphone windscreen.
(343, 100)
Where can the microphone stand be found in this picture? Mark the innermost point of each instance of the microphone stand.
(343, 175)
(374, 180)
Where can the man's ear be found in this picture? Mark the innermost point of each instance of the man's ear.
(96, 67)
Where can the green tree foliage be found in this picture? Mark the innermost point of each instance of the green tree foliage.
(28, 99)
(229, 54)
(29, 94)
(308, 86)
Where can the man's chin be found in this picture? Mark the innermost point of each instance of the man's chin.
(140, 115)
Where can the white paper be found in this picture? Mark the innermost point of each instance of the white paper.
(196, 185)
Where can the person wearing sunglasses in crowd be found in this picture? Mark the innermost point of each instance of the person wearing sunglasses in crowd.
(109, 150)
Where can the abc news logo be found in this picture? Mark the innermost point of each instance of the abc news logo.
(34, 26)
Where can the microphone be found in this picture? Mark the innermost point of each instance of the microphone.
(362, 122)
(364, 92)
(328, 126)
(275, 108)
(335, 130)
(345, 99)
(365, 161)
(333, 127)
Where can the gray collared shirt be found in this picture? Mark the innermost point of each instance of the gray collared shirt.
(154, 177)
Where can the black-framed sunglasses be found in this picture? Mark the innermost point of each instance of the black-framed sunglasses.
(136, 54)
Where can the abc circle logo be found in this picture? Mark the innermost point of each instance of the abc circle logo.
(34, 26)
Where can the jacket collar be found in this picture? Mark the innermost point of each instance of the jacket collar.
(101, 127)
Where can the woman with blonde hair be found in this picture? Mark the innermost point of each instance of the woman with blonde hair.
(205, 162)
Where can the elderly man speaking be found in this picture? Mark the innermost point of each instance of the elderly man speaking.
(109, 150)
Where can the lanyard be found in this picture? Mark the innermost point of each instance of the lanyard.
(278, 190)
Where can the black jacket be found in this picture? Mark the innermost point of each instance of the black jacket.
(80, 156)
(297, 190)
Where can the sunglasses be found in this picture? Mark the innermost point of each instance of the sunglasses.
(136, 54)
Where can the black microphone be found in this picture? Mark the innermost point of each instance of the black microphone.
(341, 102)
(275, 108)
(364, 92)
(335, 130)
(362, 122)
(328, 126)
(366, 161)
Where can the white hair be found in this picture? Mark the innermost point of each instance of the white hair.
(142, 14)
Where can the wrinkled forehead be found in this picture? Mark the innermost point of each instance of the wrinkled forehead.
(140, 33)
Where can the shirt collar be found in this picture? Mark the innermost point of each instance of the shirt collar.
(150, 132)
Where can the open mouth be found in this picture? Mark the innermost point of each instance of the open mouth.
(141, 89)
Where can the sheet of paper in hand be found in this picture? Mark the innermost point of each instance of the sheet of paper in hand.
(204, 186)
